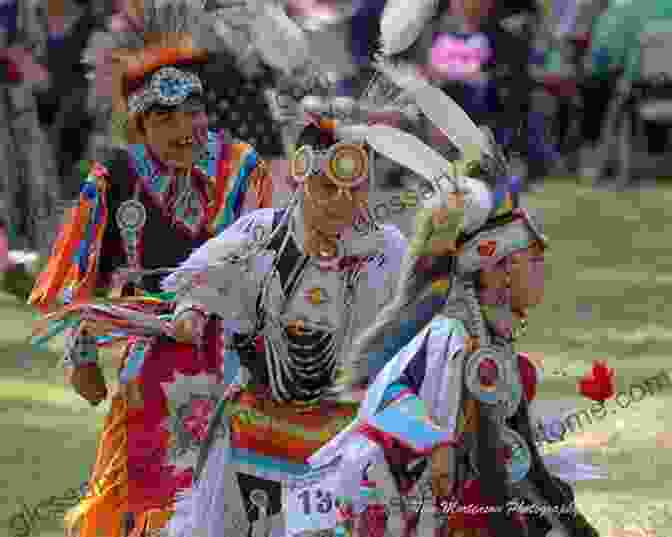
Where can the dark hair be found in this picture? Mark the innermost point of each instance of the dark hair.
(442, 7)
(316, 137)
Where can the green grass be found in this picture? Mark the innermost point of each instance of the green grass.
(48, 433)
(609, 251)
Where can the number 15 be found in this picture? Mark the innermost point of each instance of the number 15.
(324, 501)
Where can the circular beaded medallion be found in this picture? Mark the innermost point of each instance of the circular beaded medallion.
(131, 216)
(491, 375)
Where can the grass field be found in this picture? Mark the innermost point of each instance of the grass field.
(608, 281)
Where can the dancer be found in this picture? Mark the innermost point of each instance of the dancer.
(447, 382)
(294, 286)
(148, 207)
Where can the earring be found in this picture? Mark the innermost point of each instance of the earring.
(521, 329)
(119, 125)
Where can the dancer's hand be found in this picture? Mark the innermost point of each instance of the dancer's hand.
(98, 328)
(189, 326)
(436, 229)
(185, 330)
(87, 378)
(88, 382)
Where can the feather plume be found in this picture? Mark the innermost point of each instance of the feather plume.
(408, 151)
(397, 79)
(402, 22)
(279, 40)
(451, 119)
(161, 25)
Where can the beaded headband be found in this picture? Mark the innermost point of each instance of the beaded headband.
(492, 243)
(169, 86)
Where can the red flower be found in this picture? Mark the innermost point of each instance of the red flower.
(598, 385)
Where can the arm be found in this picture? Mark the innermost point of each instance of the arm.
(81, 259)
(192, 311)
(72, 270)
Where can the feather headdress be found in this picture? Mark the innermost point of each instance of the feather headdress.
(161, 34)
(212, 38)
(402, 23)
(488, 215)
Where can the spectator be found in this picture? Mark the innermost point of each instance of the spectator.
(67, 25)
(493, 84)
(615, 51)
(26, 164)
(4, 248)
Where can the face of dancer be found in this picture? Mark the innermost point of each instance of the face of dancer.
(518, 280)
(331, 207)
(175, 135)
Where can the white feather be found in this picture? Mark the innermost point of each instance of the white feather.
(352, 134)
(402, 22)
(204, 257)
(408, 151)
(403, 75)
(451, 119)
(280, 42)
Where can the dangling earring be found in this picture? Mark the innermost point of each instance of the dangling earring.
(521, 329)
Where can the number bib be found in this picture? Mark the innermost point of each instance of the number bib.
(309, 501)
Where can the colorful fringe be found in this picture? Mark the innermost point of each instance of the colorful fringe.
(106, 505)
(373, 521)
(345, 518)
(240, 172)
(70, 274)
(102, 510)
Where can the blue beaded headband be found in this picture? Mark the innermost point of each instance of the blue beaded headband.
(169, 86)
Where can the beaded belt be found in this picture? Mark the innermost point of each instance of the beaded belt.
(276, 429)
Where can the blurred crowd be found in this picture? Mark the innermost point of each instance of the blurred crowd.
(570, 87)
